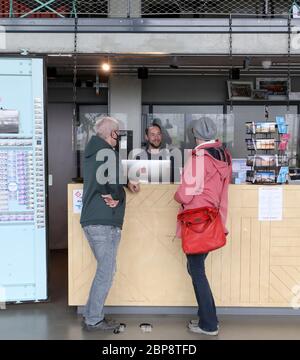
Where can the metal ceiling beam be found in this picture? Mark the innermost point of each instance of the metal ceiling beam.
(217, 25)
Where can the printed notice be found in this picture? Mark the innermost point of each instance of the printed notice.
(270, 204)
(77, 201)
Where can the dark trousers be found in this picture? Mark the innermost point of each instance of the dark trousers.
(208, 320)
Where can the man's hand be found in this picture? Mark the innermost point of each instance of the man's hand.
(133, 186)
(109, 201)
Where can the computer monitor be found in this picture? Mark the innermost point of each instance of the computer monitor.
(148, 171)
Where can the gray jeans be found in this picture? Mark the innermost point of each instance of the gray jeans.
(104, 241)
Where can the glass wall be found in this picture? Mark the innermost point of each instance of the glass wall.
(175, 122)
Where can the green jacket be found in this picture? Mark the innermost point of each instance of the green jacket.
(94, 210)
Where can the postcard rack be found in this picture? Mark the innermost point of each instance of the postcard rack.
(266, 144)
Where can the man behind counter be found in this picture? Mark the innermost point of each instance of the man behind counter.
(154, 150)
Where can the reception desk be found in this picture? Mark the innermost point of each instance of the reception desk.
(259, 266)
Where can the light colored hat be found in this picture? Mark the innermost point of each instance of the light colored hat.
(204, 129)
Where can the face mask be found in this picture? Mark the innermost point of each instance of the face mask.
(117, 139)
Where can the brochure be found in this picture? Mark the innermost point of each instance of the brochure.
(283, 175)
(281, 125)
(284, 139)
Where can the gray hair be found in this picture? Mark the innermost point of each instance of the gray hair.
(105, 125)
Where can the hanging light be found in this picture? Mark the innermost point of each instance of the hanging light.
(106, 66)
(266, 64)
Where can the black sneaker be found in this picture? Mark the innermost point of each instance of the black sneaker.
(103, 325)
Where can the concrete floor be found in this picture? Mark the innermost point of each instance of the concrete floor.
(56, 320)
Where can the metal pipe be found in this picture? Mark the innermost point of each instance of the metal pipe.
(11, 9)
(128, 8)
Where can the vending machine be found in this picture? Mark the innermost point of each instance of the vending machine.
(23, 181)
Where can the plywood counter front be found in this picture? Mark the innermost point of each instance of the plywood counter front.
(259, 266)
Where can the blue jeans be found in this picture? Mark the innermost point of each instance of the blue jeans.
(104, 241)
(208, 320)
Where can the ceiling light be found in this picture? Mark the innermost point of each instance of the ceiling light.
(266, 64)
(105, 67)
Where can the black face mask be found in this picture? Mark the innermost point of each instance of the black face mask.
(118, 138)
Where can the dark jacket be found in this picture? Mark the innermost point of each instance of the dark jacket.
(94, 209)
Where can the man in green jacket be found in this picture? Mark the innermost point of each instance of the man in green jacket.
(102, 216)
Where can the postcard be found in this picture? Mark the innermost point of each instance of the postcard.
(250, 176)
(250, 160)
(265, 176)
(250, 144)
(266, 127)
(250, 127)
(266, 160)
(265, 144)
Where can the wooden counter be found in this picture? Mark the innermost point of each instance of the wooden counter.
(259, 266)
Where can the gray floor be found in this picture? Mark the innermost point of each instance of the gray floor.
(56, 320)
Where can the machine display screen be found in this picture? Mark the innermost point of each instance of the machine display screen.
(23, 253)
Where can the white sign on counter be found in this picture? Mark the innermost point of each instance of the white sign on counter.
(77, 201)
(270, 203)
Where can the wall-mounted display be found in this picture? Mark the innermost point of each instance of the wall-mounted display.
(259, 94)
(240, 90)
(277, 88)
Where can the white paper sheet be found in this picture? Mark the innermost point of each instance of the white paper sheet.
(270, 204)
(77, 201)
